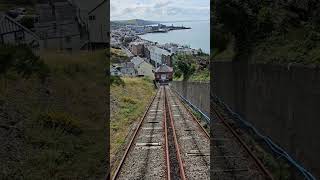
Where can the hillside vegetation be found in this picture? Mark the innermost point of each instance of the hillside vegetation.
(55, 126)
(129, 98)
(263, 31)
(118, 56)
(191, 67)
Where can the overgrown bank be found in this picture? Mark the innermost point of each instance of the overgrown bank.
(191, 67)
(276, 32)
(129, 98)
(55, 128)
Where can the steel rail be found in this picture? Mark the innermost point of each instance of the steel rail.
(243, 144)
(194, 118)
(117, 172)
(167, 158)
(181, 166)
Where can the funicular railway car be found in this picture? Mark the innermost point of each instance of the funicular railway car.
(163, 74)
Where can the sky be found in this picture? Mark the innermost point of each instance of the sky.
(160, 10)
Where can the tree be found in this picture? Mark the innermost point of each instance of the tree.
(183, 65)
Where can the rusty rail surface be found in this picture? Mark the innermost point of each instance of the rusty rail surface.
(181, 166)
(167, 158)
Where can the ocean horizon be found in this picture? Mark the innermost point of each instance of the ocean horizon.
(198, 37)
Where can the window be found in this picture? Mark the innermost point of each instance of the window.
(92, 18)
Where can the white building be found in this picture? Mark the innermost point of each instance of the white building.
(94, 14)
(142, 67)
(12, 32)
(127, 69)
(158, 56)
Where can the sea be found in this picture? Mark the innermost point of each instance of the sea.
(196, 37)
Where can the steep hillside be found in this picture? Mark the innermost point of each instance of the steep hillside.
(267, 31)
(55, 127)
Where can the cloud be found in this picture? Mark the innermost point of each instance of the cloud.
(161, 4)
(160, 9)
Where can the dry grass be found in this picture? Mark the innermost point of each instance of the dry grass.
(128, 105)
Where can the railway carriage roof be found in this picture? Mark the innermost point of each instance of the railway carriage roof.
(164, 68)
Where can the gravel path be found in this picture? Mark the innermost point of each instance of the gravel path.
(148, 161)
(194, 144)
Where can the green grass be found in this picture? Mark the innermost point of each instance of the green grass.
(118, 56)
(131, 99)
(203, 75)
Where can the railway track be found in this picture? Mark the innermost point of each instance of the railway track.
(170, 143)
(192, 140)
(144, 157)
(231, 157)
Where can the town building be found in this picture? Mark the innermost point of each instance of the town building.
(142, 67)
(12, 32)
(98, 25)
(137, 48)
(127, 69)
(146, 52)
(159, 56)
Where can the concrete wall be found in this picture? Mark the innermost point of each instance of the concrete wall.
(282, 102)
(198, 93)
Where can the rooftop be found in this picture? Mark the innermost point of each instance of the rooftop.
(164, 68)
(137, 61)
(159, 50)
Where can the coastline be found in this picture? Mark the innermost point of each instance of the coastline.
(197, 37)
